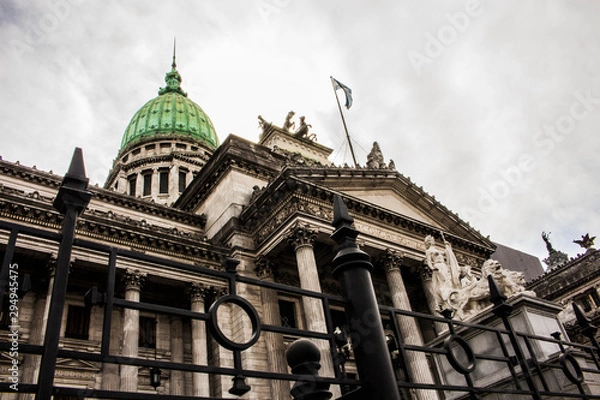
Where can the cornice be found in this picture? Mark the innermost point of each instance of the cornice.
(133, 203)
(30, 174)
(53, 181)
(110, 227)
(288, 195)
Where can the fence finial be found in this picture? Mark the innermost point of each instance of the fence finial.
(304, 357)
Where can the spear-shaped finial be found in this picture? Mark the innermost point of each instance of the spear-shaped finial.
(174, 64)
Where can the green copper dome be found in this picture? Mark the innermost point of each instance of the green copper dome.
(170, 114)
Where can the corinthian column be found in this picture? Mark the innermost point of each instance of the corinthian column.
(273, 341)
(416, 362)
(197, 293)
(133, 281)
(302, 240)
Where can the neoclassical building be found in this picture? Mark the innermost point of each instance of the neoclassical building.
(184, 219)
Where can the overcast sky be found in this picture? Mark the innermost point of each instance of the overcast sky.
(493, 107)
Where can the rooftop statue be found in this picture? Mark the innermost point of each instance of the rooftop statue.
(456, 288)
(586, 241)
(302, 131)
(555, 258)
(263, 123)
(375, 157)
(546, 238)
(288, 124)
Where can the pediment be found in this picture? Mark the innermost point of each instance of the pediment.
(392, 192)
(392, 201)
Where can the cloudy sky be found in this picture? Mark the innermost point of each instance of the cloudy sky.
(491, 106)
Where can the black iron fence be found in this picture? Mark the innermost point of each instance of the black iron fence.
(496, 360)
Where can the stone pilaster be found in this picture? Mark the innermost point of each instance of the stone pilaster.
(177, 377)
(302, 240)
(273, 342)
(409, 329)
(133, 280)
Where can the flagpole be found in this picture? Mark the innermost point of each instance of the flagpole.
(344, 122)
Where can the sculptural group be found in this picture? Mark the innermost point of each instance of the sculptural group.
(458, 289)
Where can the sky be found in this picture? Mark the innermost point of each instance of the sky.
(491, 106)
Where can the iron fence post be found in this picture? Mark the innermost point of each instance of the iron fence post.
(71, 200)
(352, 268)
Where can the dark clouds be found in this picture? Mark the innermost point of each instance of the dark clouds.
(472, 125)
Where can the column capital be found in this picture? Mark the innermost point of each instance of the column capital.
(133, 279)
(198, 291)
(390, 260)
(301, 235)
(265, 268)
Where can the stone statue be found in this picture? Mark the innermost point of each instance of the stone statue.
(456, 288)
(555, 258)
(444, 277)
(546, 238)
(288, 125)
(302, 131)
(263, 123)
(375, 157)
(586, 241)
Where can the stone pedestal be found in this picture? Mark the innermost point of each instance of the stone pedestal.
(531, 316)
(409, 329)
(133, 281)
